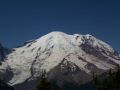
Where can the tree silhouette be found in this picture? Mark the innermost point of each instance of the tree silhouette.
(43, 83)
(111, 82)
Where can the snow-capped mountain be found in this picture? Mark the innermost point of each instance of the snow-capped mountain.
(66, 58)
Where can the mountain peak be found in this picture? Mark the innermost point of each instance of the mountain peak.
(54, 33)
(58, 52)
(57, 32)
(89, 36)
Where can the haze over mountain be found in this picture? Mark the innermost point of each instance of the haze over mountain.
(66, 59)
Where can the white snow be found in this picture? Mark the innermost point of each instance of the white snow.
(48, 51)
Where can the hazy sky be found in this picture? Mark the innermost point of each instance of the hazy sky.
(22, 20)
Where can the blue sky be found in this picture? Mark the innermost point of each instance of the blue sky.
(22, 20)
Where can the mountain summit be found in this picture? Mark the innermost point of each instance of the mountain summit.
(66, 58)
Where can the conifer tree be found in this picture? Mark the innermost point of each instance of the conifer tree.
(111, 82)
(43, 83)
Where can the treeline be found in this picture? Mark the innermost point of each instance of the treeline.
(109, 82)
(43, 83)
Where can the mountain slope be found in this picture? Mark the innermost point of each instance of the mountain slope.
(3, 52)
(4, 86)
(66, 58)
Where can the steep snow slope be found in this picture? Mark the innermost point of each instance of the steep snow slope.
(59, 50)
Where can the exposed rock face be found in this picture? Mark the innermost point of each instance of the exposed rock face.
(66, 58)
